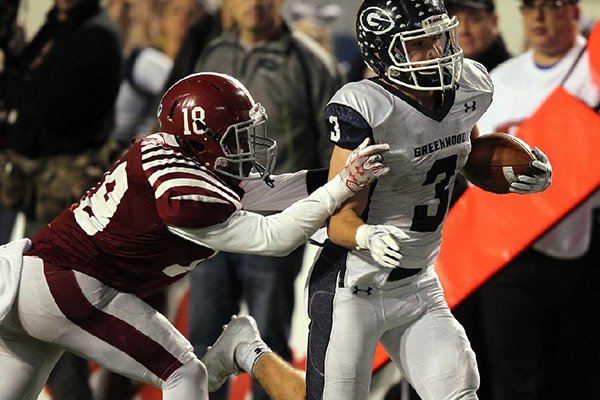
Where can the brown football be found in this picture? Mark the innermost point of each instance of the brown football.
(496, 160)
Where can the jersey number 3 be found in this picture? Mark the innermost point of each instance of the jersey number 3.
(422, 221)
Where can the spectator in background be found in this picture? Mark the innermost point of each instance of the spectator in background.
(61, 90)
(199, 34)
(538, 308)
(138, 20)
(293, 78)
(316, 21)
(478, 34)
(147, 68)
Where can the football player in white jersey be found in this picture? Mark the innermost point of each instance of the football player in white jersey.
(174, 199)
(374, 279)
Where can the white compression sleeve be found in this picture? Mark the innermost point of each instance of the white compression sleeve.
(274, 235)
(287, 189)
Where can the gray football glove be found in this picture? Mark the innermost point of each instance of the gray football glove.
(538, 182)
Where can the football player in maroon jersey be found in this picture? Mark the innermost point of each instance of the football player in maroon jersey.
(174, 199)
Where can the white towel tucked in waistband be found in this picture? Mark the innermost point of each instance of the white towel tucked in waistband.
(11, 264)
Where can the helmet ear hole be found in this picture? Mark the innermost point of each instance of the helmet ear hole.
(197, 146)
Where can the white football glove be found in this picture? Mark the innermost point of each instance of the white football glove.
(538, 182)
(383, 243)
(364, 165)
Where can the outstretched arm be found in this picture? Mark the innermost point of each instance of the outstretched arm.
(286, 190)
(279, 234)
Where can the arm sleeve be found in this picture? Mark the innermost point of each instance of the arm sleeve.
(274, 235)
(286, 190)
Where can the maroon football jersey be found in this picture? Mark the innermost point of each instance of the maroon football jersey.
(118, 232)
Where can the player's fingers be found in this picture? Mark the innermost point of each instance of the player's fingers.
(521, 187)
(542, 166)
(397, 233)
(375, 158)
(539, 155)
(390, 262)
(527, 179)
(394, 255)
(381, 170)
(375, 165)
(518, 191)
(374, 149)
(363, 145)
(372, 160)
(391, 243)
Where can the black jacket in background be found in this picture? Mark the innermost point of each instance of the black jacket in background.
(494, 55)
(198, 36)
(64, 84)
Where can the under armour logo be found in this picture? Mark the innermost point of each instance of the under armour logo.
(368, 290)
(469, 108)
(258, 350)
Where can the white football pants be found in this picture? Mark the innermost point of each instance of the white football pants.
(57, 310)
(412, 321)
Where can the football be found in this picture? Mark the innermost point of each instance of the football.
(496, 160)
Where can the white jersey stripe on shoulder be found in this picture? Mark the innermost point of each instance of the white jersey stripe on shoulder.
(167, 161)
(162, 152)
(151, 151)
(178, 182)
(198, 171)
(199, 197)
(155, 176)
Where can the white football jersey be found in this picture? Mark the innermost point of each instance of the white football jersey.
(427, 149)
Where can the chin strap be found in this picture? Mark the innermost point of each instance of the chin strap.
(269, 181)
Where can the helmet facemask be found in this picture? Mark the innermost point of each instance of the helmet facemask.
(438, 73)
(248, 153)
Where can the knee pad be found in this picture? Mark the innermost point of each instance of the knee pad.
(469, 373)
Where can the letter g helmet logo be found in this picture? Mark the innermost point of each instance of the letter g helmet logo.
(376, 20)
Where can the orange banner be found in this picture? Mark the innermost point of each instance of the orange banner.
(484, 231)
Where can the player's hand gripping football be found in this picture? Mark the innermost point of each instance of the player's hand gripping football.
(538, 182)
(383, 242)
(364, 165)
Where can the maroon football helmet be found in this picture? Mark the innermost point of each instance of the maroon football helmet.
(216, 119)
